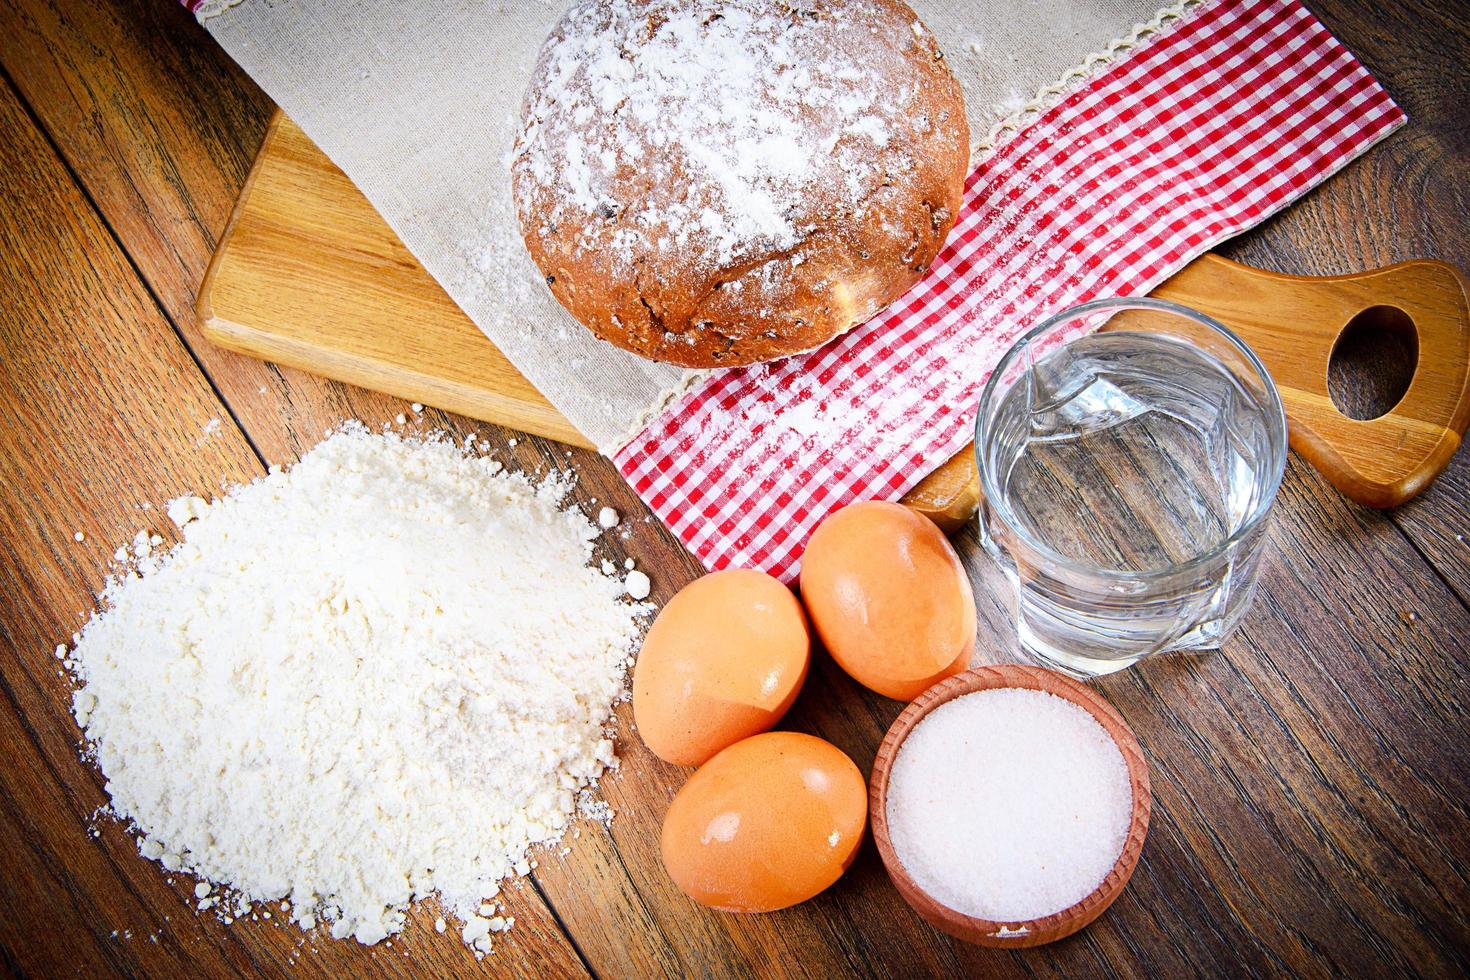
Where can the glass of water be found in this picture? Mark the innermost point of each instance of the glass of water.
(1129, 451)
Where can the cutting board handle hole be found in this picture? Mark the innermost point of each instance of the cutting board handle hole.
(1373, 362)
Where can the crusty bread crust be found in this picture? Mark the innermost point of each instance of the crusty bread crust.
(716, 184)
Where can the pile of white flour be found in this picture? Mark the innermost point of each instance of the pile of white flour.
(380, 675)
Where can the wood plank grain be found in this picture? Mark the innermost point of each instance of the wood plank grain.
(105, 415)
(1408, 198)
(65, 41)
(1304, 777)
(1310, 812)
(160, 127)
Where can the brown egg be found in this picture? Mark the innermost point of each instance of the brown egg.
(889, 598)
(723, 661)
(767, 823)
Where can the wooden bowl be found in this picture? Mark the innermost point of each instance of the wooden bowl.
(1033, 932)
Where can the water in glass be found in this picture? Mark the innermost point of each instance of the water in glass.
(1129, 471)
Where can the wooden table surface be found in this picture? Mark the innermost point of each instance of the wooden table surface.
(1312, 794)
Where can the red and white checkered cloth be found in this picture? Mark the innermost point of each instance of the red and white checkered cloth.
(1203, 130)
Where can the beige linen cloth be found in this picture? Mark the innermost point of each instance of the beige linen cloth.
(418, 102)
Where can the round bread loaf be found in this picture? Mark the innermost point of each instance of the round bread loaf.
(718, 183)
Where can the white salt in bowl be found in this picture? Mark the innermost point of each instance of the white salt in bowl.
(1030, 932)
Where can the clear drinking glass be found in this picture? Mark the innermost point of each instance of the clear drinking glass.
(1129, 452)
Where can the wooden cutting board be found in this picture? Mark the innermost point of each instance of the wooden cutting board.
(307, 274)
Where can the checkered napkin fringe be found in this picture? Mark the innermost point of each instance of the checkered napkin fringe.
(1203, 130)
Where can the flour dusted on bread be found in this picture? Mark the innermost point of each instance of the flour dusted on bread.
(717, 183)
(380, 675)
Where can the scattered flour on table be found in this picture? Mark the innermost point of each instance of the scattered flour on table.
(638, 585)
(1009, 804)
(380, 675)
